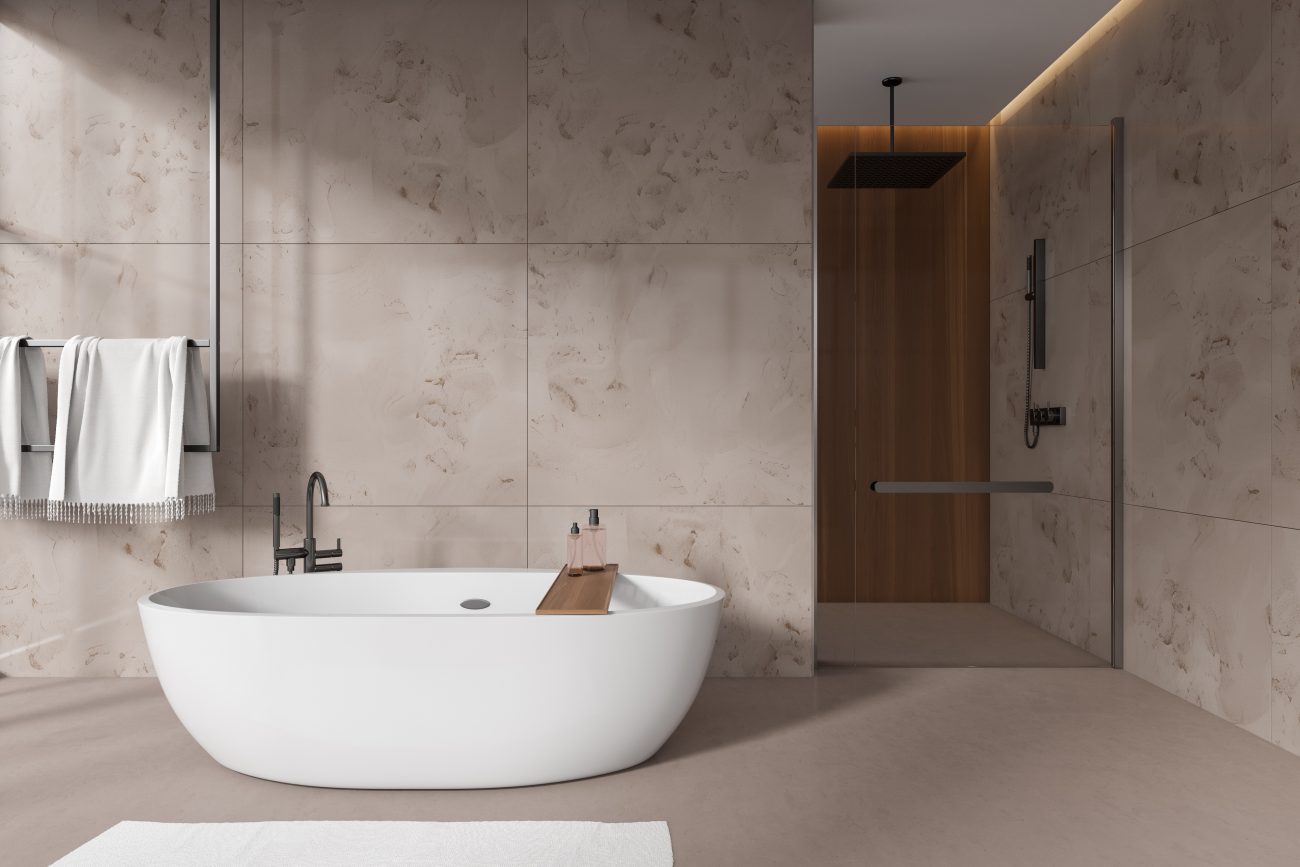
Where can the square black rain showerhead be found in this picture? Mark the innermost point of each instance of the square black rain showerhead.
(893, 169)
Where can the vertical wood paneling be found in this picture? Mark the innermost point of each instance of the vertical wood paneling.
(919, 397)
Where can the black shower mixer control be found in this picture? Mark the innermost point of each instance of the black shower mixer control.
(1047, 416)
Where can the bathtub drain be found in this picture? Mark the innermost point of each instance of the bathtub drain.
(475, 604)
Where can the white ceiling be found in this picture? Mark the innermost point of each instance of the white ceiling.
(961, 60)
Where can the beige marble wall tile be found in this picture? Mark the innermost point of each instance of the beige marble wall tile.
(762, 557)
(130, 290)
(665, 374)
(1286, 357)
(1191, 79)
(104, 121)
(1050, 565)
(396, 537)
(1196, 616)
(1049, 178)
(68, 591)
(670, 121)
(1198, 425)
(1285, 118)
(385, 121)
(1076, 457)
(397, 370)
(1284, 621)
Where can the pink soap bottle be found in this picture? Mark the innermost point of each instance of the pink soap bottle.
(573, 550)
(593, 543)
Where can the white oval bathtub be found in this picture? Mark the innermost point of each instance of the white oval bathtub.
(382, 680)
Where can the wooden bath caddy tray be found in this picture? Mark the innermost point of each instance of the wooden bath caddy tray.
(587, 593)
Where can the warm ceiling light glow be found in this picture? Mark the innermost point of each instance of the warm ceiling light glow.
(1069, 56)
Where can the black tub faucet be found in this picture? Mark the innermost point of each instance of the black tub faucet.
(308, 553)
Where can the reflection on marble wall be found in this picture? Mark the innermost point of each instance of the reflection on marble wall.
(1198, 427)
(1191, 78)
(670, 121)
(1284, 623)
(1051, 565)
(385, 121)
(1285, 289)
(1076, 457)
(376, 287)
(762, 557)
(103, 120)
(397, 367)
(1196, 618)
(68, 592)
(661, 374)
(1285, 92)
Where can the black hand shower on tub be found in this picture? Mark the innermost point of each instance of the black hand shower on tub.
(1036, 343)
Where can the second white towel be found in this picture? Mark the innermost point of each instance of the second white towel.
(124, 408)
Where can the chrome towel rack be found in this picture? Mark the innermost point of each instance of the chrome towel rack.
(213, 343)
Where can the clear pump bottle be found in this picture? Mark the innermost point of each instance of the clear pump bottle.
(593, 543)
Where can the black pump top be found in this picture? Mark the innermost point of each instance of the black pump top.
(593, 517)
(574, 531)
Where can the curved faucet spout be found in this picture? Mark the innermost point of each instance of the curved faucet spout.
(315, 477)
(311, 495)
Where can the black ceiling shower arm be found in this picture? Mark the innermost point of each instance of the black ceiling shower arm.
(891, 82)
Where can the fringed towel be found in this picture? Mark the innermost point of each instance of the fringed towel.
(24, 418)
(124, 410)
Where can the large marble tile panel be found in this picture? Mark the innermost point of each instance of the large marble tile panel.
(1191, 78)
(1075, 457)
(1198, 423)
(104, 121)
(1048, 179)
(1285, 118)
(397, 537)
(1050, 565)
(1286, 356)
(397, 370)
(131, 290)
(762, 557)
(670, 374)
(670, 121)
(385, 121)
(1196, 611)
(68, 591)
(1284, 623)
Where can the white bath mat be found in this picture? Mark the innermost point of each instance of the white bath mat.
(352, 844)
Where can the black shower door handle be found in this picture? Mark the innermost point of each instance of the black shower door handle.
(962, 487)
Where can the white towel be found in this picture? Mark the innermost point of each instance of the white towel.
(124, 410)
(24, 418)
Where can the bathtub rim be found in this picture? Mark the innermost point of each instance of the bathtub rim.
(716, 596)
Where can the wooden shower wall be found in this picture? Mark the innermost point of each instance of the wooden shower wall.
(903, 374)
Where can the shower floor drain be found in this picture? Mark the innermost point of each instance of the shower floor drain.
(475, 604)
